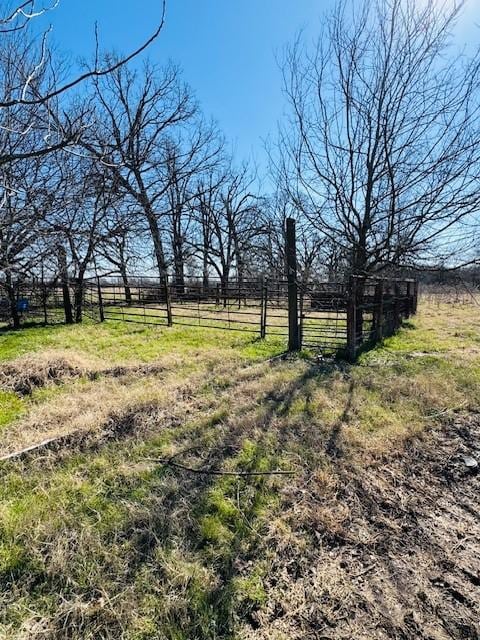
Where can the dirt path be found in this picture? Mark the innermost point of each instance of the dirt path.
(391, 551)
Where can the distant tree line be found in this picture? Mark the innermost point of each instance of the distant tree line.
(118, 171)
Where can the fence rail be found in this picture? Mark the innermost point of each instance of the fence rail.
(340, 318)
(336, 318)
(31, 301)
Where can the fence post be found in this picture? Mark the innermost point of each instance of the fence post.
(352, 319)
(409, 305)
(291, 254)
(100, 300)
(415, 297)
(263, 311)
(378, 310)
(396, 307)
(168, 301)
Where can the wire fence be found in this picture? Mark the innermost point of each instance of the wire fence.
(457, 293)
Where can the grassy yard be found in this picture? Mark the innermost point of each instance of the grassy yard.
(100, 539)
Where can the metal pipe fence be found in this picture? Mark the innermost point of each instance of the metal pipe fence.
(334, 318)
(30, 302)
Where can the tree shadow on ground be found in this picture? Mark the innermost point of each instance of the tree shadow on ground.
(180, 505)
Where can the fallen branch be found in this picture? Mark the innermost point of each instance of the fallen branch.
(218, 472)
(30, 449)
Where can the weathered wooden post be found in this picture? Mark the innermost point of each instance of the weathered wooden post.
(378, 311)
(100, 300)
(396, 307)
(415, 297)
(263, 309)
(291, 255)
(409, 305)
(302, 316)
(168, 300)
(352, 319)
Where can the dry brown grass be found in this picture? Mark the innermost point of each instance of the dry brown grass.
(31, 371)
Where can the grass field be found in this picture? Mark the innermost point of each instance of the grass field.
(100, 539)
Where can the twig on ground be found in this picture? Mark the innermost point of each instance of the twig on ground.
(364, 572)
(445, 411)
(168, 462)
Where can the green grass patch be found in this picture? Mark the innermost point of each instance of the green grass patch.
(11, 407)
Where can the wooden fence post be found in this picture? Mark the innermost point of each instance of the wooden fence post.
(378, 311)
(100, 300)
(409, 305)
(263, 310)
(168, 300)
(291, 254)
(415, 297)
(352, 319)
(396, 307)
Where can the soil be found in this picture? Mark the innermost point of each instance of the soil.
(391, 551)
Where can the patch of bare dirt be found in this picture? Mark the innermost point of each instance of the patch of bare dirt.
(390, 551)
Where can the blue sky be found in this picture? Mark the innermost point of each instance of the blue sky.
(227, 49)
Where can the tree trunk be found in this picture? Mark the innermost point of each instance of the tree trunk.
(12, 299)
(157, 241)
(205, 252)
(126, 284)
(205, 279)
(240, 278)
(224, 286)
(178, 258)
(63, 270)
(179, 269)
(78, 297)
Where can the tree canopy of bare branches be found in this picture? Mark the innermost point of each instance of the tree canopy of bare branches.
(33, 83)
(381, 151)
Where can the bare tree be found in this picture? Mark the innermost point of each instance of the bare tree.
(84, 200)
(30, 81)
(185, 160)
(382, 149)
(227, 213)
(314, 250)
(26, 202)
(122, 242)
(138, 116)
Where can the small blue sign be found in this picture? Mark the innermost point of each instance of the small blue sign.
(22, 305)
